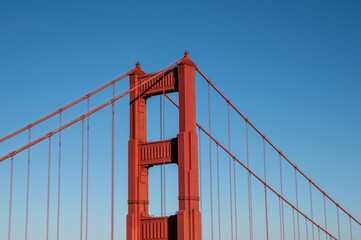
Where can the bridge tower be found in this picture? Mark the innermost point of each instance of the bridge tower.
(182, 150)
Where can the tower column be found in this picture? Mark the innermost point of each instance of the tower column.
(183, 150)
(189, 218)
(137, 175)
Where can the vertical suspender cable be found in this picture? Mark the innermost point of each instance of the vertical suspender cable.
(306, 228)
(319, 234)
(283, 215)
(87, 176)
(11, 196)
(200, 170)
(48, 197)
(234, 176)
(219, 204)
(280, 214)
(58, 213)
(249, 190)
(279, 203)
(235, 197)
(210, 157)
(82, 179)
(294, 227)
(230, 171)
(265, 188)
(338, 224)
(112, 194)
(27, 190)
(161, 137)
(298, 216)
(313, 234)
(200, 176)
(324, 207)
(350, 228)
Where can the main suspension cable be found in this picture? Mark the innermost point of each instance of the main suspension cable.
(63, 108)
(273, 146)
(253, 174)
(132, 88)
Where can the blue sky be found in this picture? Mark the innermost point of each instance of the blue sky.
(293, 68)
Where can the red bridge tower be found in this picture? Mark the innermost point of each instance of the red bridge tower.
(182, 150)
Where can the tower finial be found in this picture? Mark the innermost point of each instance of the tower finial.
(186, 54)
(137, 65)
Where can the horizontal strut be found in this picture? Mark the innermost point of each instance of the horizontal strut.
(159, 152)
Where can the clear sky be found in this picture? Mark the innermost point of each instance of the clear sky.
(292, 67)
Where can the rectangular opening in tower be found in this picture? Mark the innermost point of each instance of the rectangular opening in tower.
(157, 113)
(163, 190)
